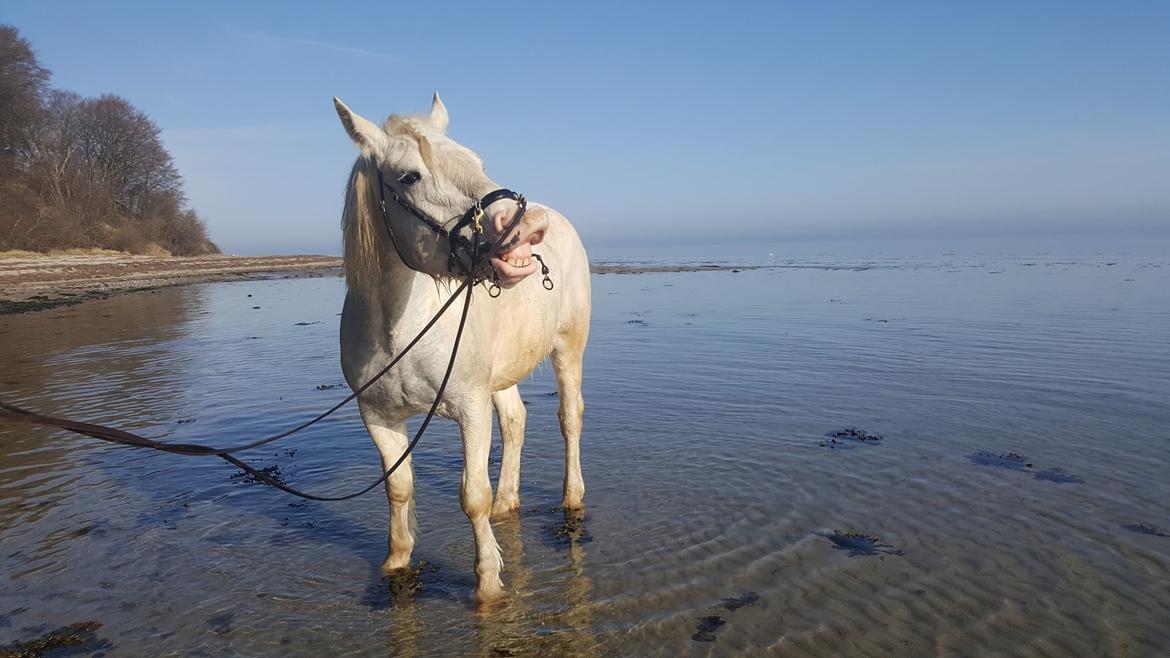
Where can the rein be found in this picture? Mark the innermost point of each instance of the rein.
(459, 245)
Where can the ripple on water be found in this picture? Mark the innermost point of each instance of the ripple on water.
(715, 522)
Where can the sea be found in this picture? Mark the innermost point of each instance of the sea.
(884, 448)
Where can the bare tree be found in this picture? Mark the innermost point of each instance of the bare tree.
(84, 172)
(23, 82)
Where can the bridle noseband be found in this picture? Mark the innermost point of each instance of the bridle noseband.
(465, 255)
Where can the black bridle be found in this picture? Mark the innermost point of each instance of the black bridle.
(464, 254)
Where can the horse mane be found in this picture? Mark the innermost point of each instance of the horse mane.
(359, 223)
(359, 227)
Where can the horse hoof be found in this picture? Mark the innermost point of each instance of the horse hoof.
(489, 600)
(395, 566)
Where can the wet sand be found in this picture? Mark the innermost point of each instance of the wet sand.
(39, 282)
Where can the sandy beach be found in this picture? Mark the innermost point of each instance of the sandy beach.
(32, 283)
(37, 282)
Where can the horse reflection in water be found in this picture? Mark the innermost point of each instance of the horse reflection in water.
(537, 619)
(409, 182)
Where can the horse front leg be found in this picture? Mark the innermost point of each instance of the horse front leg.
(476, 498)
(512, 417)
(392, 441)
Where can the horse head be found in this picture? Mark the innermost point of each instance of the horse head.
(432, 183)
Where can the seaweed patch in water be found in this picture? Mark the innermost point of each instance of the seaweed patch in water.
(1011, 460)
(568, 531)
(857, 544)
(857, 434)
(746, 599)
(272, 471)
(1016, 462)
(840, 438)
(80, 636)
(1143, 529)
(221, 624)
(399, 587)
(707, 627)
(1058, 475)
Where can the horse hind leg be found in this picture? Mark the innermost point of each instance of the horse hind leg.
(512, 417)
(392, 441)
(567, 358)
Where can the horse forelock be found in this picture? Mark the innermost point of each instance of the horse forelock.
(412, 127)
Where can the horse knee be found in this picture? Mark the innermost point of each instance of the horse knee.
(512, 426)
(476, 500)
(401, 494)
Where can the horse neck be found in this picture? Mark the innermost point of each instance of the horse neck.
(402, 295)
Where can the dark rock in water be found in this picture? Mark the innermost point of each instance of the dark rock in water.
(306, 324)
(639, 322)
(1011, 461)
(857, 544)
(745, 599)
(77, 638)
(184, 421)
(328, 387)
(1059, 476)
(707, 627)
(1143, 529)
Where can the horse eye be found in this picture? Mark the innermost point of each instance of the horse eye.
(409, 178)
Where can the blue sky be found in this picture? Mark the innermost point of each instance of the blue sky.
(710, 121)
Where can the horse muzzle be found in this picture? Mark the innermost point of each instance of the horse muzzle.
(513, 260)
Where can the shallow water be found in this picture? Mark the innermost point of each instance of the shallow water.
(1016, 502)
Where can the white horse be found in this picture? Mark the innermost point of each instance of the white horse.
(395, 288)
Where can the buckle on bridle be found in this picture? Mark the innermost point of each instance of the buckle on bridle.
(476, 216)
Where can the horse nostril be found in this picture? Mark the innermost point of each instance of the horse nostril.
(500, 221)
(536, 238)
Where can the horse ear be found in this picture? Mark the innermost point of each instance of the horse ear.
(365, 134)
(439, 117)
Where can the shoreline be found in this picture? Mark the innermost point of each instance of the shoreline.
(36, 283)
(42, 282)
